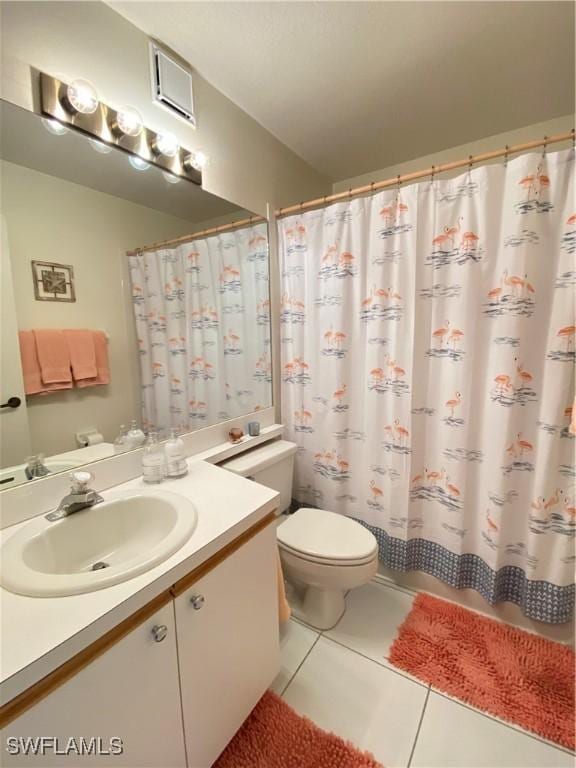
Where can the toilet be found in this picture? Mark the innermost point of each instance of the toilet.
(324, 554)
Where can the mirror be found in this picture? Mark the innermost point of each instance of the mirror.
(100, 326)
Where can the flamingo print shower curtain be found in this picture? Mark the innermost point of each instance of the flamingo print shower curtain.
(428, 374)
(202, 321)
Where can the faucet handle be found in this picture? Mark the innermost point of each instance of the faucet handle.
(80, 481)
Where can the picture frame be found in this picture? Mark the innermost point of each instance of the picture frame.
(53, 281)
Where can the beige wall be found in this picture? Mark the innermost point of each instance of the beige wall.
(50, 219)
(528, 133)
(88, 39)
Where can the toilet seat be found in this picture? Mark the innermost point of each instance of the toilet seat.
(327, 538)
(326, 560)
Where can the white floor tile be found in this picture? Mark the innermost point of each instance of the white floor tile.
(375, 708)
(373, 614)
(453, 736)
(295, 642)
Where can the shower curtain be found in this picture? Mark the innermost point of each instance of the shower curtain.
(428, 374)
(202, 321)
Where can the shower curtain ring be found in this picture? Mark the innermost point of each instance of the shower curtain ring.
(545, 144)
(398, 183)
(432, 174)
(470, 162)
(506, 150)
(350, 193)
(573, 132)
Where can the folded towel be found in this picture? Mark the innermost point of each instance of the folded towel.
(284, 610)
(102, 365)
(53, 356)
(33, 384)
(82, 354)
(30, 365)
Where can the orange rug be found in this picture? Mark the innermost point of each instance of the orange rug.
(274, 736)
(504, 671)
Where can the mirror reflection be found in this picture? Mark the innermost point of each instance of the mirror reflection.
(131, 301)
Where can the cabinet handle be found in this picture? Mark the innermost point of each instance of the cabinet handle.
(159, 632)
(197, 601)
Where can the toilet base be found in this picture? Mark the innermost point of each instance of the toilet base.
(320, 608)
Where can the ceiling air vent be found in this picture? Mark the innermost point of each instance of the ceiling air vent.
(172, 84)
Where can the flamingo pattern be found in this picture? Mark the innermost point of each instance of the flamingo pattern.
(201, 313)
(439, 417)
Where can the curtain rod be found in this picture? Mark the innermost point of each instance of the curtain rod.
(432, 171)
(197, 235)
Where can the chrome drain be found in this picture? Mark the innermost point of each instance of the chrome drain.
(99, 565)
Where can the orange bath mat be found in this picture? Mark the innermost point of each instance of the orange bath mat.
(504, 671)
(275, 736)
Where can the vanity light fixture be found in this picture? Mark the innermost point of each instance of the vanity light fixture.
(77, 107)
(166, 144)
(82, 97)
(129, 122)
(99, 146)
(138, 163)
(53, 126)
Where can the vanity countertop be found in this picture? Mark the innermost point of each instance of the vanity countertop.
(39, 634)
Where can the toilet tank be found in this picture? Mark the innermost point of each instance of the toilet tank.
(271, 464)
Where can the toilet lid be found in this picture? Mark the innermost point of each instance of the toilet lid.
(325, 535)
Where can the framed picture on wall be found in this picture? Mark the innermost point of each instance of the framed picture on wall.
(53, 282)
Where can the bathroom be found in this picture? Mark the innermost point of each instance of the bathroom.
(287, 380)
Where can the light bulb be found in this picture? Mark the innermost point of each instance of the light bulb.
(199, 159)
(166, 144)
(99, 146)
(129, 121)
(54, 126)
(170, 178)
(82, 97)
(138, 163)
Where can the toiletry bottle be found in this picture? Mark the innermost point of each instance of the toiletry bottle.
(136, 438)
(122, 442)
(153, 460)
(175, 451)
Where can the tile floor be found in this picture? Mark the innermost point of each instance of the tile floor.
(341, 679)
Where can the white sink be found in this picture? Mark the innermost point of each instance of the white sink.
(128, 533)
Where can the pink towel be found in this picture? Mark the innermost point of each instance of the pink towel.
(53, 356)
(33, 384)
(82, 353)
(30, 365)
(102, 365)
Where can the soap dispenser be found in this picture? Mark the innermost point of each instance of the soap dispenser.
(122, 442)
(176, 465)
(153, 460)
(135, 437)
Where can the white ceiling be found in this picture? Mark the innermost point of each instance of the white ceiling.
(356, 86)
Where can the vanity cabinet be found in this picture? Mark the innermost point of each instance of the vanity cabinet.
(228, 649)
(177, 685)
(129, 692)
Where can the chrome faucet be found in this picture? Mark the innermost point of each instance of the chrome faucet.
(35, 467)
(80, 497)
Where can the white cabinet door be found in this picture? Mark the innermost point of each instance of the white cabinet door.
(227, 630)
(130, 692)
